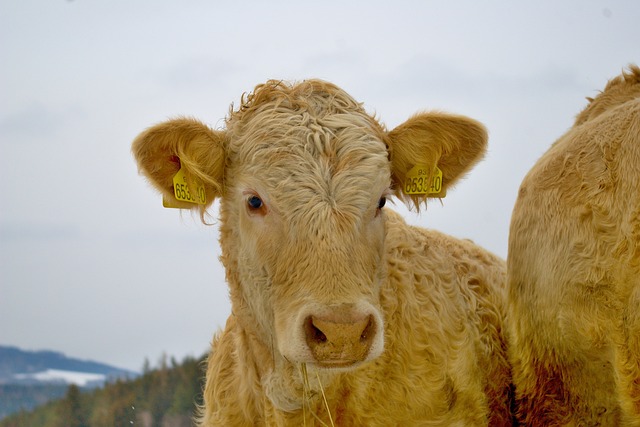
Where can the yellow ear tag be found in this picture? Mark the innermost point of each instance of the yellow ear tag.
(417, 182)
(182, 193)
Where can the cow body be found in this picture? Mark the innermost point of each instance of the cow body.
(574, 270)
(341, 312)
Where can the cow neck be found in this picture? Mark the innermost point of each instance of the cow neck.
(258, 355)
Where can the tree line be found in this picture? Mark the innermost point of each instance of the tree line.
(166, 396)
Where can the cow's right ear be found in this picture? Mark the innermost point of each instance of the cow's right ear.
(187, 144)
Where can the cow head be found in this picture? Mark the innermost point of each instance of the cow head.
(303, 174)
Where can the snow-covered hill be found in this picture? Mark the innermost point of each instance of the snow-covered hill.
(32, 378)
(44, 367)
(81, 379)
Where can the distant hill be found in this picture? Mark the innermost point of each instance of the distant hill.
(166, 396)
(32, 378)
(45, 367)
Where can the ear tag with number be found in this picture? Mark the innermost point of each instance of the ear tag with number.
(182, 193)
(417, 182)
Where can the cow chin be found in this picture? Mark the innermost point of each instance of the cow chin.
(336, 337)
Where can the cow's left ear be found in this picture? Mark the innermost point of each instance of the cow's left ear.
(452, 143)
(188, 145)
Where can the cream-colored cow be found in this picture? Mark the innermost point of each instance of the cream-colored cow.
(574, 270)
(341, 312)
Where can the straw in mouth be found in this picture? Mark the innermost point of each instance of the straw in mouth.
(306, 397)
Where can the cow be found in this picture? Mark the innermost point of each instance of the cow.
(341, 313)
(574, 270)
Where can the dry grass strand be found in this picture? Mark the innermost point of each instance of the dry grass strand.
(306, 397)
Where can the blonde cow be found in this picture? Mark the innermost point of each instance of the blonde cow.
(574, 270)
(342, 314)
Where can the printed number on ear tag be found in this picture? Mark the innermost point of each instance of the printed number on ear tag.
(422, 180)
(182, 193)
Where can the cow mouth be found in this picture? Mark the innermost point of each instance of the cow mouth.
(336, 364)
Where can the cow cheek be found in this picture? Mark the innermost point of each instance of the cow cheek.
(256, 254)
(375, 261)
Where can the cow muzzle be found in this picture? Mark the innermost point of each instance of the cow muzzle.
(342, 337)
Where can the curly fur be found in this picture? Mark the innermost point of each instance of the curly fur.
(574, 270)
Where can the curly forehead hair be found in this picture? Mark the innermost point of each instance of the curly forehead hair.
(315, 97)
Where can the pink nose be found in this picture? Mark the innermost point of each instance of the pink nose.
(339, 340)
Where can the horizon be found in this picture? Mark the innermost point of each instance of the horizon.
(147, 362)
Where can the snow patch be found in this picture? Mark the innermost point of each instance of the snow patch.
(80, 379)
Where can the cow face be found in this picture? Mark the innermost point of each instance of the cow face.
(303, 174)
(308, 177)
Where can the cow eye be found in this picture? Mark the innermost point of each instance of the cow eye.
(382, 202)
(254, 202)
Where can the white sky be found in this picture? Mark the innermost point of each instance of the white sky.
(90, 262)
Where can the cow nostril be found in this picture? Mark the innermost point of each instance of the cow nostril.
(366, 333)
(313, 332)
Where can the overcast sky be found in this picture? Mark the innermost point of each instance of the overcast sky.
(90, 262)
